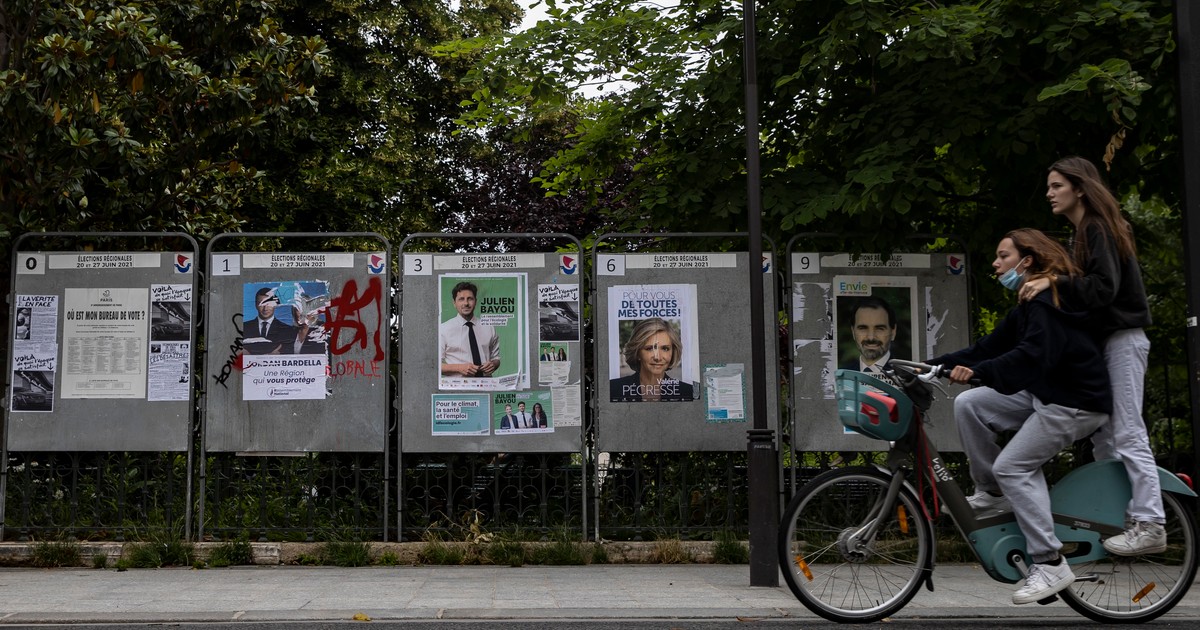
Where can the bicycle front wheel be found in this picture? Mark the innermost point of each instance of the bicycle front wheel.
(830, 562)
(1139, 588)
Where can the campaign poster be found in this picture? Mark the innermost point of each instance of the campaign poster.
(33, 378)
(874, 320)
(169, 360)
(558, 312)
(483, 332)
(37, 319)
(653, 343)
(522, 413)
(105, 336)
(286, 341)
(35, 353)
(460, 414)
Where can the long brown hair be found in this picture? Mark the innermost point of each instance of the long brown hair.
(1049, 258)
(1100, 208)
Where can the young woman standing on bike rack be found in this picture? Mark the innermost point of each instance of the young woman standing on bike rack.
(1111, 288)
(1044, 378)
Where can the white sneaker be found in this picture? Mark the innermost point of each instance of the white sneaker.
(1043, 581)
(981, 501)
(1144, 537)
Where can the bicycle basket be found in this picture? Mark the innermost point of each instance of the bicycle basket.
(871, 407)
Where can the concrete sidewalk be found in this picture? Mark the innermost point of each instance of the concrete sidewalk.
(293, 593)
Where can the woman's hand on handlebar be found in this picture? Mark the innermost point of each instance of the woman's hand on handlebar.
(961, 374)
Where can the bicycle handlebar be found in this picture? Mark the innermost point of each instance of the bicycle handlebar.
(926, 372)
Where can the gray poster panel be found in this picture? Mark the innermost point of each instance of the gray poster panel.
(698, 304)
(523, 393)
(314, 378)
(928, 297)
(101, 355)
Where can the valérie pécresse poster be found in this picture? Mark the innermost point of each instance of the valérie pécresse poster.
(654, 343)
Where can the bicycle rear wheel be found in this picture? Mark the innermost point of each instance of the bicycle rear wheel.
(1139, 588)
(835, 573)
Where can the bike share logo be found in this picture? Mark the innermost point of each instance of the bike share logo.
(939, 470)
(375, 264)
(955, 265)
(183, 263)
(569, 265)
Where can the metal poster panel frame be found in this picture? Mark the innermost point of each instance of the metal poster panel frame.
(299, 346)
(851, 312)
(673, 363)
(492, 349)
(101, 355)
(526, 312)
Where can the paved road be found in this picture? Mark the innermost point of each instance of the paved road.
(636, 594)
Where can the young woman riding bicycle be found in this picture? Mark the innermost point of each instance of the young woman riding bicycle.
(1044, 378)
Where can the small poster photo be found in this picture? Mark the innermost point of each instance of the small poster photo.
(460, 414)
(24, 319)
(558, 312)
(522, 412)
(287, 317)
(553, 352)
(170, 312)
(874, 318)
(33, 391)
(653, 347)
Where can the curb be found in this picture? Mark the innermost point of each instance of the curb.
(22, 554)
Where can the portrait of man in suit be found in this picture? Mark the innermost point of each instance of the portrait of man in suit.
(468, 348)
(265, 333)
(508, 420)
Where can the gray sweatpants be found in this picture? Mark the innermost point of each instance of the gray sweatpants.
(1042, 431)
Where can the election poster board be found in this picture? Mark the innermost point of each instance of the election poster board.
(299, 347)
(674, 350)
(102, 349)
(857, 313)
(492, 352)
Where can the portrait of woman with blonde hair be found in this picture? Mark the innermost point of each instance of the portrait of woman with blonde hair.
(653, 348)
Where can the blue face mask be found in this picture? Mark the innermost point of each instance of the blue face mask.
(1011, 279)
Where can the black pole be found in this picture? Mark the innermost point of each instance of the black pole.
(762, 460)
(1187, 29)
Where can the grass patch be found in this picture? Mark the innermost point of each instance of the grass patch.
(151, 555)
(346, 553)
(564, 550)
(389, 559)
(232, 552)
(599, 554)
(57, 553)
(437, 551)
(669, 552)
(505, 552)
(100, 561)
(161, 546)
(727, 549)
(308, 560)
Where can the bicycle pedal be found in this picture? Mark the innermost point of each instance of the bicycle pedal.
(1048, 600)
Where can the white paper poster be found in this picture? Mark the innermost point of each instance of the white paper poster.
(284, 377)
(170, 350)
(105, 334)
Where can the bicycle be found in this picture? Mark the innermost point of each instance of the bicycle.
(857, 543)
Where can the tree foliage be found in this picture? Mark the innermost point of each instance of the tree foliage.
(877, 116)
(380, 154)
(121, 115)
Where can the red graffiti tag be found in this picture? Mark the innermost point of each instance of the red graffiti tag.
(354, 369)
(344, 314)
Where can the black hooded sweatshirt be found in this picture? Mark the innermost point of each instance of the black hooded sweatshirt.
(1044, 350)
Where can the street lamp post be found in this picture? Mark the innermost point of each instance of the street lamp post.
(762, 459)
